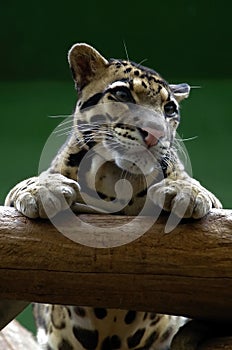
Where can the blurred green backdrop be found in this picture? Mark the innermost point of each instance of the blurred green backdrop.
(188, 40)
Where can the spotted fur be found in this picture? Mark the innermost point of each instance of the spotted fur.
(126, 118)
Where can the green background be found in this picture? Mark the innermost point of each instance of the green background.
(186, 41)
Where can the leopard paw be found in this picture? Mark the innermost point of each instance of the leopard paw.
(43, 196)
(185, 198)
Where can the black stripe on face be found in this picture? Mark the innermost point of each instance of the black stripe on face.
(92, 101)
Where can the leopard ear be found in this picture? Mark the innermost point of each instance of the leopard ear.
(180, 91)
(85, 62)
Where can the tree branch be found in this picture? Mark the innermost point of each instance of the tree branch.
(186, 272)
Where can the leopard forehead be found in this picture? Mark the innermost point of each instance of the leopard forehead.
(141, 80)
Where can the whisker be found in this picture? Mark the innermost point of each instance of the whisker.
(60, 116)
(144, 60)
(125, 48)
(187, 139)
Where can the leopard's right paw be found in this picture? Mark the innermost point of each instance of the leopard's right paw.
(43, 196)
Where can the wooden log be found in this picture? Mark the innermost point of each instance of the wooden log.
(9, 310)
(224, 343)
(185, 272)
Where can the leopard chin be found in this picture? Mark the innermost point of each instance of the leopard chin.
(138, 163)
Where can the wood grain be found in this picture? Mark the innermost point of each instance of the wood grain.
(186, 272)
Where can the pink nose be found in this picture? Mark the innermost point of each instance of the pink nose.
(153, 136)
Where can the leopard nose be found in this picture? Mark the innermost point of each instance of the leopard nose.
(151, 136)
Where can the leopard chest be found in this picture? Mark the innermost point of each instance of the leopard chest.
(106, 186)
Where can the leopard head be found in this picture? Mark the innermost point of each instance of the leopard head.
(127, 108)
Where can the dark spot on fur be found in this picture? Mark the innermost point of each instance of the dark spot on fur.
(80, 311)
(136, 72)
(136, 338)
(130, 317)
(118, 64)
(166, 334)
(152, 316)
(106, 344)
(65, 345)
(87, 338)
(69, 312)
(102, 195)
(67, 173)
(74, 159)
(144, 84)
(100, 313)
(127, 70)
(156, 320)
(153, 337)
(145, 316)
(111, 343)
(115, 342)
(142, 193)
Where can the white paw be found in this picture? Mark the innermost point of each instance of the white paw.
(185, 198)
(43, 196)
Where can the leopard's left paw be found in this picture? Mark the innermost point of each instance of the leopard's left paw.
(185, 198)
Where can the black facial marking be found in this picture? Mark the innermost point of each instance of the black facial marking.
(130, 317)
(80, 311)
(92, 101)
(111, 98)
(65, 345)
(136, 338)
(87, 338)
(100, 313)
(88, 137)
(74, 159)
(127, 70)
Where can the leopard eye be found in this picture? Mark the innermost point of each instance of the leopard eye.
(123, 94)
(170, 109)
